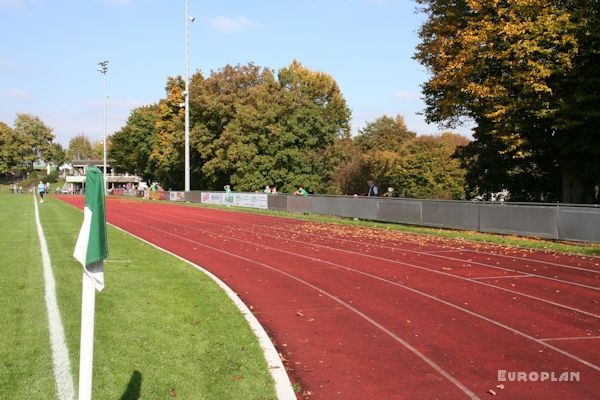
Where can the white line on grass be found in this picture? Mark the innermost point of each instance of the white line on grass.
(60, 353)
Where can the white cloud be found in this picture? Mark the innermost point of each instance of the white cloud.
(406, 95)
(19, 94)
(229, 24)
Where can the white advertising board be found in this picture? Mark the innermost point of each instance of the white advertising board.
(250, 200)
(212, 198)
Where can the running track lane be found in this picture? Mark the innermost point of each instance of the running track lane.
(359, 327)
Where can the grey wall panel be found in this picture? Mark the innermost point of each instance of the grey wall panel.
(298, 204)
(324, 205)
(277, 202)
(193, 196)
(451, 214)
(579, 223)
(402, 211)
(538, 221)
(357, 207)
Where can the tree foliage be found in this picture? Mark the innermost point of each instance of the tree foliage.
(385, 134)
(8, 157)
(252, 129)
(29, 140)
(81, 148)
(415, 166)
(249, 127)
(526, 73)
(132, 146)
(56, 154)
(33, 139)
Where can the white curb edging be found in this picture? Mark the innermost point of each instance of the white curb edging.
(283, 386)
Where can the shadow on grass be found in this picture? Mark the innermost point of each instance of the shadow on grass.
(134, 387)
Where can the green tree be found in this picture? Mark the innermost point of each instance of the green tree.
(80, 148)
(385, 134)
(252, 129)
(168, 153)
(132, 146)
(415, 166)
(8, 151)
(248, 127)
(56, 154)
(33, 139)
(526, 73)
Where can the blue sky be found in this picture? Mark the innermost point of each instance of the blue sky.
(50, 49)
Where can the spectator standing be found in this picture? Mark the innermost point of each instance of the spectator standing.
(373, 190)
(301, 191)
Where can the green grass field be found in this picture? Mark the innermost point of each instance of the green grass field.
(163, 329)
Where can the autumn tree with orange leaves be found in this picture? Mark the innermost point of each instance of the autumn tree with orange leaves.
(526, 72)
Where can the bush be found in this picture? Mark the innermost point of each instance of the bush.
(36, 176)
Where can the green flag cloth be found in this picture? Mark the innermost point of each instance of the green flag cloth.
(92, 246)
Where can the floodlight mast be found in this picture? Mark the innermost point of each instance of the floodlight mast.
(186, 94)
(103, 69)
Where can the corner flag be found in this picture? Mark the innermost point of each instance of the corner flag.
(92, 246)
(90, 250)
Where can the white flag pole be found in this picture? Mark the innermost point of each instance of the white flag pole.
(86, 350)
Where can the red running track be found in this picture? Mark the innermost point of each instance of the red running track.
(370, 314)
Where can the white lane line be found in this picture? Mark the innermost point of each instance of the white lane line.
(283, 386)
(571, 338)
(60, 354)
(447, 248)
(504, 277)
(441, 256)
(429, 296)
(422, 356)
(414, 266)
(442, 251)
(597, 271)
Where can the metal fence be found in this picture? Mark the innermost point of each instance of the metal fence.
(543, 220)
(550, 221)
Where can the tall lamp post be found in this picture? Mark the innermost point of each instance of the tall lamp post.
(103, 69)
(186, 94)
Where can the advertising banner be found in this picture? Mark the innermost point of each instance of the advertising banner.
(250, 200)
(212, 198)
(177, 196)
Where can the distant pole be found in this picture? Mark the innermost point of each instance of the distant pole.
(103, 70)
(186, 94)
